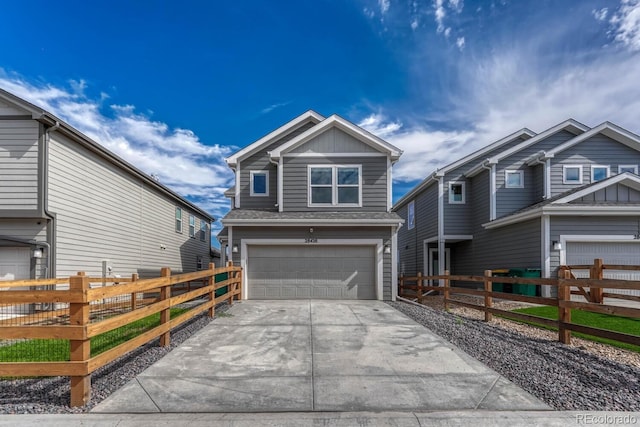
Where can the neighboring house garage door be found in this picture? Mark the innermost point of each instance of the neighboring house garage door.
(309, 271)
(627, 252)
(15, 264)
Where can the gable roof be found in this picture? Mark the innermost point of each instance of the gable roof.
(611, 130)
(522, 133)
(69, 131)
(560, 202)
(301, 120)
(569, 125)
(346, 126)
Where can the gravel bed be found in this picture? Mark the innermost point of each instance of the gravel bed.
(565, 377)
(51, 395)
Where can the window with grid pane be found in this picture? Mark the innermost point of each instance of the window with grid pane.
(334, 185)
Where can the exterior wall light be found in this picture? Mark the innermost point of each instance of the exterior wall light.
(37, 253)
(234, 249)
(557, 246)
(387, 249)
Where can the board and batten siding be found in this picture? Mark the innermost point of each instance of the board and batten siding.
(336, 233)
(617, 193)
(374, 183)
(18, 164)
(104, 213)
(334, 141)
(597, 150)
(260, 162)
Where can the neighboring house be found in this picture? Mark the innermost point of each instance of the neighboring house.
(565, 196)
(311, 213)
(67, 204)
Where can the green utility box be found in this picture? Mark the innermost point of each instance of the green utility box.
(524, 289)
(220, 278)
(500, 287)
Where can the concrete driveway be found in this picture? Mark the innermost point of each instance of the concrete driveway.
(298, 356)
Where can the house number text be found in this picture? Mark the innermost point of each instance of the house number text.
(311, 240)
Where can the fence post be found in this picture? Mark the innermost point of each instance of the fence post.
(597, 273)
(134, 301)
(419, 286)
(488, 298)
(212, 293)
(165, 315)
(234, 285)
(80, 350)
(446, 290)
(564, 312)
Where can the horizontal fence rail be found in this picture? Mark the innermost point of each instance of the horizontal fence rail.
(97, 320)
(416, 288)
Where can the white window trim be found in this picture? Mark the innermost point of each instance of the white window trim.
(334, 186)
(454, 202)
(564, 174)
(192, 226)
(178, 220)
(251, 175)
(634, 167)
(608, 168)
(411, 208)
(515, 172)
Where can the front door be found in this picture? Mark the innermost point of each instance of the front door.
(433, 261)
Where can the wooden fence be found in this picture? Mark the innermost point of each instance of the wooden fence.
(591, 288)
(80, 327)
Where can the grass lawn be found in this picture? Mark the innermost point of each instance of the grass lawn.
(596, 320)
(56, 350)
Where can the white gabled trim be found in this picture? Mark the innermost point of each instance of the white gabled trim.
(272, 136)
(345, 126)
(608, 129)
(329, 155)
(378, 243)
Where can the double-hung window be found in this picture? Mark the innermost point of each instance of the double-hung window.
(178, 220)
(456, 193)
(572, 174)
(259, 183)
(192, 226)
(598, 173)
(335, 185)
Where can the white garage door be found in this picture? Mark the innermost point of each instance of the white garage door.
(301, 272)
(15, 264)
(627, 252)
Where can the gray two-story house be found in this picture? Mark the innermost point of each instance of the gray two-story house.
(67, 204)
(311, 213)
(564, 196)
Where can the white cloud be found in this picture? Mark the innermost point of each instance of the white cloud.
(460, 43)
(379, 126)
(384, 6)
(414, 24)
(600, 14)
(272, 107)
(456, 5)
(626, 24)
(440, 14)
(177, 156)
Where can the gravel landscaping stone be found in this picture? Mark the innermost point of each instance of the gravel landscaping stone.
(566, 377)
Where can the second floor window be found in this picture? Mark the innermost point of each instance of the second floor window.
(456, 192)
(178, 220)
(259, 183)
(192, 226)
(572, 174)
(598, 173)
(628, 168)
(334, 185)
(203, 231)
(514, 179)
(411, 215)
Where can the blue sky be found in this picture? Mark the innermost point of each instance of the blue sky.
(174, 87)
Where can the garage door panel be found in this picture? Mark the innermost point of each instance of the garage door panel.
(621, 253)
(323, 272)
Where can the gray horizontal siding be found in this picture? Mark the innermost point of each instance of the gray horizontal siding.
(19, 164)
(341, 233)
(260, 162)
(334, 141)
(598, 150)
(374, 182)
(103, 213)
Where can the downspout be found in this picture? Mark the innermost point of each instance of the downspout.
(546, 176)
(441, 242)
(279, 181)
(51, 231)
(491, 167)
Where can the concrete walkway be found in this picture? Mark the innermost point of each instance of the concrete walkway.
(331, 356)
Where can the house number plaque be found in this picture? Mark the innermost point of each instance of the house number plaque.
(311, 240)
